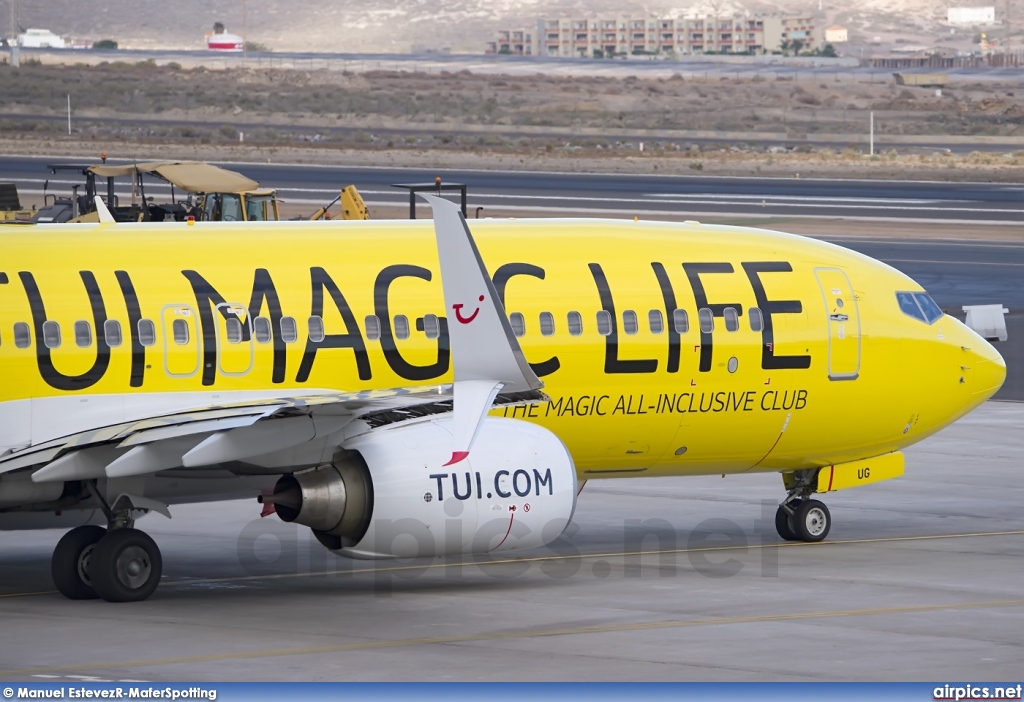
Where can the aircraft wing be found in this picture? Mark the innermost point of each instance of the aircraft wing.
(226, 433)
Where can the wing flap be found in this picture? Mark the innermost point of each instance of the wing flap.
(220, 434)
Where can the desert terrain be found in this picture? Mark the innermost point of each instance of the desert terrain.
(723, 124)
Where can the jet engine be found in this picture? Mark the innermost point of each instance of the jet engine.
(388, 493)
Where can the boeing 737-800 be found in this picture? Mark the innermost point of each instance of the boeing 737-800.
(361, 377)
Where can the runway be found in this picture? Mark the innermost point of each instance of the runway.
(657, 579)
(561, 194)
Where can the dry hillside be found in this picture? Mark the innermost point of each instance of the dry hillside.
(381, 26)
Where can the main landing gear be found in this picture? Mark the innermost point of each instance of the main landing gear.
(799, 518)
(119, 563)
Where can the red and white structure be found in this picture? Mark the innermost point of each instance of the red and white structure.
(224, 41)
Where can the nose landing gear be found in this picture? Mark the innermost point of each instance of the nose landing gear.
(800, 518)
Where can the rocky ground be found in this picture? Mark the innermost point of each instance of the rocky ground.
(723, 125)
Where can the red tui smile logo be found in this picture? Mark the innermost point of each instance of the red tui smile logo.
(458, 312)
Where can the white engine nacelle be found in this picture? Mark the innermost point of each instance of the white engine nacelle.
(392, 496)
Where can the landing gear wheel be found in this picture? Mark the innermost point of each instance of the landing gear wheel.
(71, 561)
(811, 521)
(783, 523)
(125, 566)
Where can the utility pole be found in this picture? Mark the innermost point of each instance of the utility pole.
(871, 137)
(245, 29)
(15, 58)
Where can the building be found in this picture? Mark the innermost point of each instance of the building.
(971, 15)
(518, 42)
(836, 35)
(799, 28)
(40, 39)
(606, 37)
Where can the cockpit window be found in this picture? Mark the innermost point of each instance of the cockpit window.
(919, 306)
(928, 306)
(908, 305)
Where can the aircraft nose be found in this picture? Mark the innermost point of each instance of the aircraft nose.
(984, 370)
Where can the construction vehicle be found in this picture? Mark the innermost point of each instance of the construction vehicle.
(352, 206)
(200, 191)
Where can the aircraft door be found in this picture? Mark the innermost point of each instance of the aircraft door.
(843, 323)
(179, 325)
(234, 339)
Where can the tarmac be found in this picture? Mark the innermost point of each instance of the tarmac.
(657, 579)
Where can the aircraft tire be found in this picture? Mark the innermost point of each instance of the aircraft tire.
(811, 521)
(71, 560)
(126, 566)
(783, 525)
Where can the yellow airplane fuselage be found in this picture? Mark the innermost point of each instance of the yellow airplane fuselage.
(827, 369)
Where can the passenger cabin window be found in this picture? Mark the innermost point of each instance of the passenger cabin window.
(655, 321)
(22, 335)
(756, 320)
(289, 330)
(261, 330)
(401, 326)
(732, 319)
(547, 323)
(112, 333)
(372, 324)
(706, 319)
(680, 321)
(316, 329)
(431, 326)
(629, 322)
(83, 334)
(518, 323)
(147, 332)
(179, 330)
(604, 322)
(51, 334)
(234, 330)
(575, 323)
